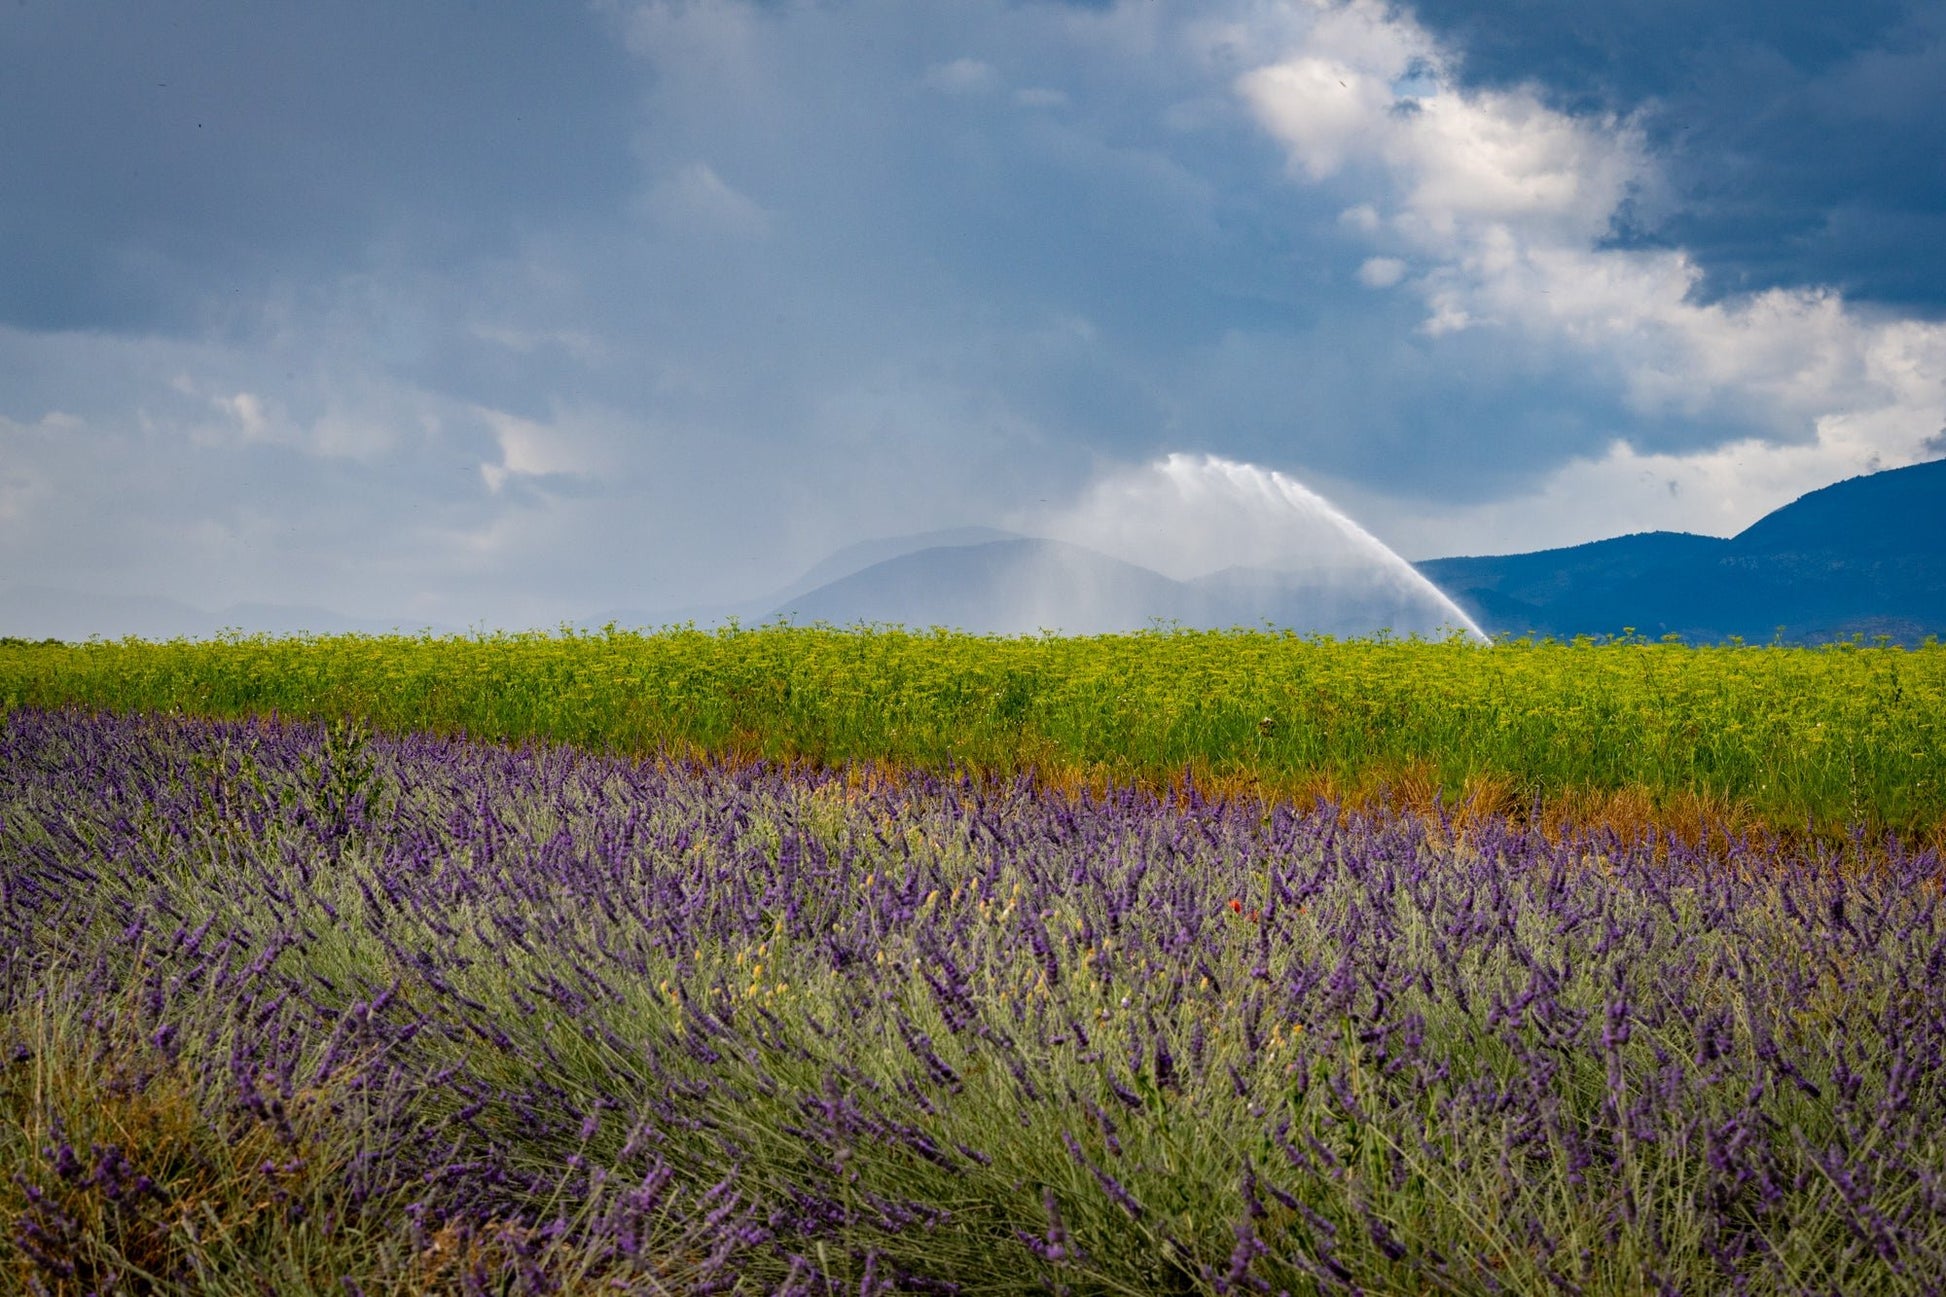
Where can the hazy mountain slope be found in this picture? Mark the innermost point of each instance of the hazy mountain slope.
(1352, 601)
(41, 612)
(833, 567)
(1009, 587)
(1023, 586)
(868, 553)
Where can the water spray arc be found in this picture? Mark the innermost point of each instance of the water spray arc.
(1299, 497)
(1256, 537)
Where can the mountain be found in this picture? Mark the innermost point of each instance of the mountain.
(835, 567)
(1865, 556)
(42, 612)
(1006, 587)
(869, 553)
(1022, 586)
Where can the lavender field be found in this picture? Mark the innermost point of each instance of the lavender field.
(297, 1009)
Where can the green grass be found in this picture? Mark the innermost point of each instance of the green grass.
(1828, 739)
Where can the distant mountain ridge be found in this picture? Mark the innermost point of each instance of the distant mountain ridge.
(833, 567)
(42, 612)
(1863, 557)
(1022, 586)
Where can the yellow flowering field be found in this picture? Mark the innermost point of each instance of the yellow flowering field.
(1790, 738)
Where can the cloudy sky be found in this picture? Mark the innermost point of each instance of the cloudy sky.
(509, 313)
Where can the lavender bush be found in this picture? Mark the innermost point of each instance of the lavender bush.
(296, 1009)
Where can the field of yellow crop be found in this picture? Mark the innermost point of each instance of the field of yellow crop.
(1829, 740)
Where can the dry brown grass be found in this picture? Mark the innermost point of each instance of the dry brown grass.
(1695, 820)
(165, 1181)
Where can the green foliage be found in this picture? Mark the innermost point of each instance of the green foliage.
(1825, 738)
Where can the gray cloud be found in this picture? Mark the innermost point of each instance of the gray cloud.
(167, 167)
(1800, 139)
(515, 315)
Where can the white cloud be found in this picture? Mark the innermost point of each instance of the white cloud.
(1714, 492)
(352, 436)
(24, 485)
(575, 445)
(1040, 97)
(246, 410)
(1381, 272)
(1363, 218)
(695, 200)
(1324, 111)
(252, 419)
(1509, 202)
(580, 344)
(962, 76)
(722, 41)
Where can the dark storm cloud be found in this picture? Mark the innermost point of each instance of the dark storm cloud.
(165, 165)
(1802, 140)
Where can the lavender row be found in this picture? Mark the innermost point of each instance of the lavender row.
(496, 1016)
